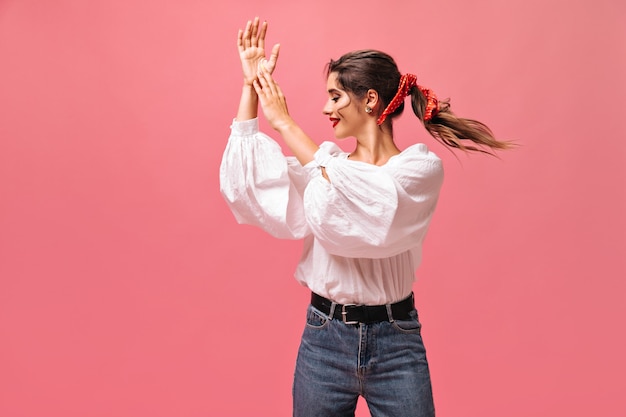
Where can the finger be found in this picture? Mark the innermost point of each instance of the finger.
(261, 79)
(246, 35)
(272, 92)
(262, 33)
(240, 40)
(268, 83)
(265, 85)
(276, 90)
(255, 29)
(259, 89)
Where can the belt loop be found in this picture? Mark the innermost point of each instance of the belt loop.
(389, 313)
(331, 313)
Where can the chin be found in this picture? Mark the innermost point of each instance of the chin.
(339, 135)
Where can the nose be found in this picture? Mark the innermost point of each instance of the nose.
(327, 110)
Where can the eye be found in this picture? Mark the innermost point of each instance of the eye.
(335, 99)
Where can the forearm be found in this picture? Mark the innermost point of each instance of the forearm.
(300, 144)
(248, 105)
(275, 109)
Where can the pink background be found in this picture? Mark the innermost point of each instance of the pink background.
(127, 288)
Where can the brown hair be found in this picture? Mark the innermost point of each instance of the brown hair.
(359, 71)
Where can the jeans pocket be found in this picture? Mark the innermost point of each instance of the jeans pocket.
(315, 319)
(411, 325)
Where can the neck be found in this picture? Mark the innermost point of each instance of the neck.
(375, 146)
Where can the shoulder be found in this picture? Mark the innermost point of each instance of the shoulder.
(326, 152)
(416, 164)
(418, 151)
(331, 148)
(415, 156)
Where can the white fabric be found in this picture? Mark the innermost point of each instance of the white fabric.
(362, 231)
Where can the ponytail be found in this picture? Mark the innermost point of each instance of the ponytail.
(451, 130)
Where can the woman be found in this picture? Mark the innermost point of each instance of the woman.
(363, 216)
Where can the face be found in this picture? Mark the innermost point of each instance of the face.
(343, 110)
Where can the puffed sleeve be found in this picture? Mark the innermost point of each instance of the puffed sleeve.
(262, 186)
(369, 211)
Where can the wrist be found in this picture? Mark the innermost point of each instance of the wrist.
(248, 104)
(285, 125)
(248, 87)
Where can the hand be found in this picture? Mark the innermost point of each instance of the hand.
(251, 45)
(272, 100)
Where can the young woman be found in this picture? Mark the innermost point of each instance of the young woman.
(363, 216)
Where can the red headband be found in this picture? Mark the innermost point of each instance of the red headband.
(408, 81)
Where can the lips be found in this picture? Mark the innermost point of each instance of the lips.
(334, 121)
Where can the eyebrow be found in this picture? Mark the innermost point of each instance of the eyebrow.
(334, 90)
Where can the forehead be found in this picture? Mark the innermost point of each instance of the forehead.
(331, 83)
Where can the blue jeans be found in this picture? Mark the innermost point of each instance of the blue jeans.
(383, 362)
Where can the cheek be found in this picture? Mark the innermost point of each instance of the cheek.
(342, 104)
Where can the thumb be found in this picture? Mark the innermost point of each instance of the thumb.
(274, 55)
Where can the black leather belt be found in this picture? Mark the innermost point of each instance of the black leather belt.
(355, 314)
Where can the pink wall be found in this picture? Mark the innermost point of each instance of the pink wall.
(127, 289)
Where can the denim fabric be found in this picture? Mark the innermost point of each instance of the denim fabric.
(383, 362)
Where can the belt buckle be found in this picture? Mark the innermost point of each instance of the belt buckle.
(344, 314)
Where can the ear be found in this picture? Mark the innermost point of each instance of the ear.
(371, 99)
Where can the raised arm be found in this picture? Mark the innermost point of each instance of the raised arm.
(251, 46)
(275, 110)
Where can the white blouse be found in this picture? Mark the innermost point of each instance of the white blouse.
(363, 230)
